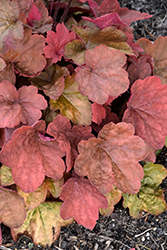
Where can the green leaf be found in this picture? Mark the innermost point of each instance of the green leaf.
(6, 176)
(42, 224)
(72, 104)
(113, 197)
(150, 197)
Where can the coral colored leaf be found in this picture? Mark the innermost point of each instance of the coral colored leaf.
(6, 176)
(28, 58)
(8, 74)
(112, 158)
(158, 52)
(33, 15)
(68, 138)
(44, 21)
(106, 20)
(32, 156)
(113, 198)
(12, 210)
(103, 74)
(42, 224)
(150, 197)
(57, 41)
(11, 31)
(107, 6)
(19, 106)
(92, 37)
(82, 202)
(72, 104)
(51, 80)
(110, 117)
(99, 113)
(147, 110)
(141, 68)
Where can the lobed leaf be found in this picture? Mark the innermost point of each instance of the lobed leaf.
(157, 51)
(11, 23)
(57, 41)
(82, 202)
(12, 210)
(43, 229)
(103, 74)
(19, 106)
(147, 111)
(113, 197)
(90, 37)
(31, 157)
(27, 58)
(72, 104)
(51, 80)
(112, 158)
(68, 138)
(150, 197)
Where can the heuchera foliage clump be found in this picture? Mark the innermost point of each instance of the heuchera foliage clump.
(83, 110)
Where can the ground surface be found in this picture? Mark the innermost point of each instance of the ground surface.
(119, 231)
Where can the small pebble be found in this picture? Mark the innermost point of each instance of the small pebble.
(143, 238)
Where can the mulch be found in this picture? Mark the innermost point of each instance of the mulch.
(119, 231)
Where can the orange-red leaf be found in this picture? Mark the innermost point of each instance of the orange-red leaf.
(103, 74)
(57, 41)
(99, 113)
(68, 137)
(81, 201)
(28, 58)
(147, 111)
(112, 158)
(19, 106)
(32, 156)
(158, 52)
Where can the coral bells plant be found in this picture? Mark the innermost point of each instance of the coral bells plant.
(83, 110)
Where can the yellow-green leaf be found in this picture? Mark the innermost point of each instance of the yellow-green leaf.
(6, 176)
(42, 224)
(113, 197)
(150, 197)
(72, 104)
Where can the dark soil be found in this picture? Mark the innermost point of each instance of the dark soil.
(119, 231)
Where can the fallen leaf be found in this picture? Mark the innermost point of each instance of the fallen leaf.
(6, 176)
